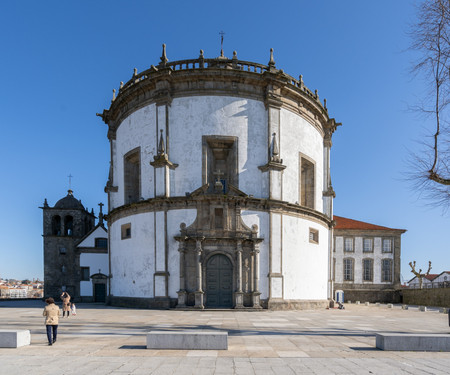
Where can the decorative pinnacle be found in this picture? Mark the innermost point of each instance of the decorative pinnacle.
(301, 80)
(164, 58)
(161, 148)
(317, 94)
(325, 103)
(271, 61)
(121, 84)
(114, 95)
(234, 55)
(135, 72)
(201, 54)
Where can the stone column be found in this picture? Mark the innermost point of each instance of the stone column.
(182, 295)
(239, 295)
(256, 293)
(199, 292)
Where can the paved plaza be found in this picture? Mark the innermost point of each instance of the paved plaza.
(109, 340)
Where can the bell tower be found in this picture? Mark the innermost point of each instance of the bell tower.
(64, 225)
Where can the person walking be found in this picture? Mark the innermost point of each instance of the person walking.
(74, 309)
(51, 313)
(66, 303)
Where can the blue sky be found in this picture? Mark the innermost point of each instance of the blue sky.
(60, 61)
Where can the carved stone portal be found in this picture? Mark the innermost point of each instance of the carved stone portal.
(219, 255)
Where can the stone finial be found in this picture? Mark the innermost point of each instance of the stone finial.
(234, 55)
(325, 103)
(301, 80)
(121, 85)
(316, 93)
(135, 72)
(45, 202)
(271, 61)
(164, 58)
(201, 55)
(161, 148)
(92, 211)
(114, 95)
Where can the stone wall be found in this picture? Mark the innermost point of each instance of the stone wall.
(439, 297)
(372, 296)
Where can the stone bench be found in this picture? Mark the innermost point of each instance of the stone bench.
(187, 340)
(426, 342)
(10, 338)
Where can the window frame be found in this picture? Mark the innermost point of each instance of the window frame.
(352, 270)
(370, 270)
(83, 273)
(315, 234)
(383, 270)
(391, 246)
(352, 242)
(371, 244)
(307, 198)
(125, 231)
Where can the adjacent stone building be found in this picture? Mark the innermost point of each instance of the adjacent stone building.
(75, 251)
(219, 189)
(366, 261)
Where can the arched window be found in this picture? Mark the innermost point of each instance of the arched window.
(56, 225)
(68, 226)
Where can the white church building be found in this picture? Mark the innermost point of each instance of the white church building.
(219, 190)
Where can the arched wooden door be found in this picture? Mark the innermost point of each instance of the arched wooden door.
(219, 282)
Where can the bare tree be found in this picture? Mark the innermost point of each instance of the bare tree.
(431, 38)
(419, 274)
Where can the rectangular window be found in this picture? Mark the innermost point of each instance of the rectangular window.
(101, 242)
(348, 269)
(132, 175)
(220, 163)
(313, 235)
(348, 244)
(367, 269)
(387, 245)
(368, 245)
(85, 273)
(126, 231)
(62, 250)
(386, 270)
(307, 183)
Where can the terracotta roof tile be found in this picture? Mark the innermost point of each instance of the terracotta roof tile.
(344, 223)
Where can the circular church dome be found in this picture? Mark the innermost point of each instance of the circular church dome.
(69, 202)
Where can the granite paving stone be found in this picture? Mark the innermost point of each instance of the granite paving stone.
(110, 340)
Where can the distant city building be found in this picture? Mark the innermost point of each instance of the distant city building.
(75, 251)
(366, 260)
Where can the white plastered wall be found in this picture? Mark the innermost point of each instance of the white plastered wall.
(191, 118)
(298, 136)
(89, 241)
(97, 263)
(305, 264)
(133, 259)
(137, 130)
